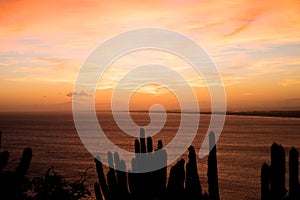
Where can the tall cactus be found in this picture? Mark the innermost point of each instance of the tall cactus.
(183, 182)
(278, 190)
(294, 193)
(192, 182)
(24, 162)
(142, 140)
(175, 187)
(212, 170)
(273, 177)
(3, 160)
(112, 181)
(121, 176)
(160, 175)
(0, 138)
(150, 185)
(13, 184)
(264, 181)
(97, 190)
(101, 179)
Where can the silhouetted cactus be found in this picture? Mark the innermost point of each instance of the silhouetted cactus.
(149, 144)
(294, 193)
(0, 138)
(137, 148)
(160, 155)
(277, 184)
(133, 178)
(175, 188)
(101, 179)
(121, 176)
(205, 196)
(142, 186)
(150, 177)
(212, 169)
(273, 177)
(183, 182)
(97, 190)
(13, 185)
(145, 185)
(139, 181)
(142, 140)
(192, 182)
(116, 185)
(24, 162)
(265, 181)
(112, 179)
(3, 160)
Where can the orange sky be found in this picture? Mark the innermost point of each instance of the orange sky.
(255, 45)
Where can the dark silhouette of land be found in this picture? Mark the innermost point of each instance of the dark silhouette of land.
(278, 113)
(290, 114)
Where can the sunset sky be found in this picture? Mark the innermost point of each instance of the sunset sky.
(254, 44)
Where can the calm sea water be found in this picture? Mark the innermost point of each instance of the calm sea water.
(241, 150)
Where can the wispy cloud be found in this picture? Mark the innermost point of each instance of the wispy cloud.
(289, 82)
(45, 42)
(82, 93)
(252, 93)
(245, 20)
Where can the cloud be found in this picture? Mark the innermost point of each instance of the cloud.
(246, 20)
(82, 93)
(289, 82)
(252, 93)
(47, 41)
(29, 68)
(294, 100)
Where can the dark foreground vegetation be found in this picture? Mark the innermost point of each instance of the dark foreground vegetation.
(183, 182)
(17, 185)
(273, 175)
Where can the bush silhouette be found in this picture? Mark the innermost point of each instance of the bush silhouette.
(15, 184)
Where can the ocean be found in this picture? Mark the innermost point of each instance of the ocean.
(241, 150)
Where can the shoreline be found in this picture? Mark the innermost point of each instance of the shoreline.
(277, 114)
